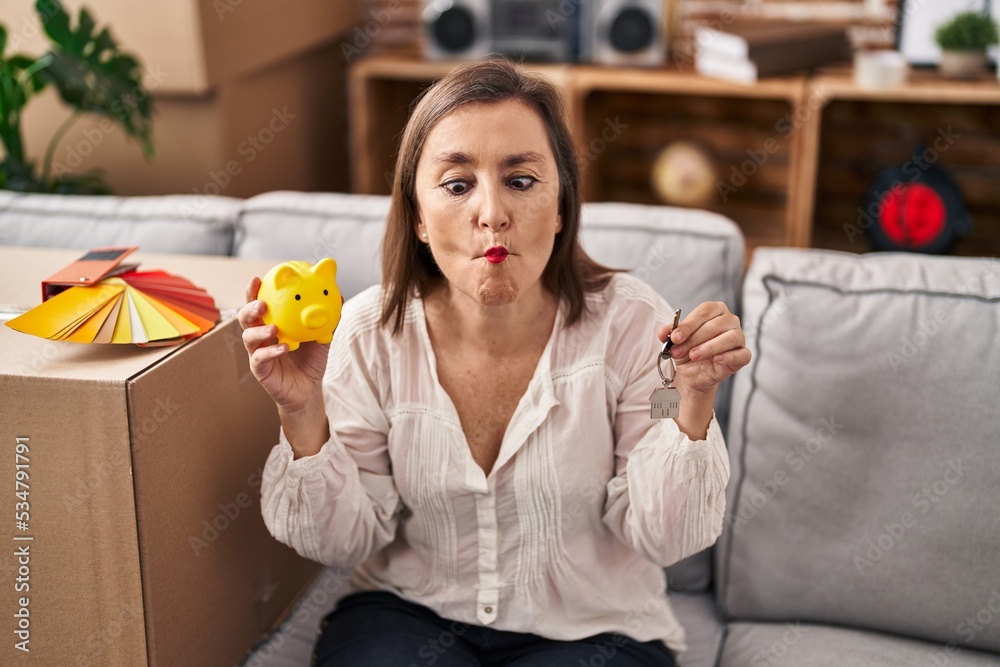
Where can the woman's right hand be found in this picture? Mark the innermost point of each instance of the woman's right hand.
(294, 381)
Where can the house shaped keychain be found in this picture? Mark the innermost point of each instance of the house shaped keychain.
(665, 401)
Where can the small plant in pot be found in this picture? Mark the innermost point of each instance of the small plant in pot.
(963, 41)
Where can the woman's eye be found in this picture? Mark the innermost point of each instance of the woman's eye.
(523, 182)
(456, 187)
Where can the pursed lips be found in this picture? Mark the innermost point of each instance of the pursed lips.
(496, 254)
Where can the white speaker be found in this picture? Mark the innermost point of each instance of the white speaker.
(626, 32)
(455, 29)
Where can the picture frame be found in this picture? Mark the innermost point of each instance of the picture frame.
(917, 20)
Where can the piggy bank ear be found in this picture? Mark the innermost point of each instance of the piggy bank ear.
(285, 276)
(326, 268)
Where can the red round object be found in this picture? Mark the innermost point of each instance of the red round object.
(913, 216)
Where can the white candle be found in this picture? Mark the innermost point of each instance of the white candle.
(880, 69)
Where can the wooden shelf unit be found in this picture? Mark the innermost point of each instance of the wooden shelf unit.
(859, 132)
(831, 138)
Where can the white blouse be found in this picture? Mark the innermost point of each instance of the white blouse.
(566, 537)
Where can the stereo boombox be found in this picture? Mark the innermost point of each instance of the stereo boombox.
(613, 32)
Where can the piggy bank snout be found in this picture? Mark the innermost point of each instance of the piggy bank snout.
(315, 316)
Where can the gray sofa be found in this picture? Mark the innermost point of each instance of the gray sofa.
(863, 521)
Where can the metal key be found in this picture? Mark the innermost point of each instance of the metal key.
(665, 352)
(665, 401)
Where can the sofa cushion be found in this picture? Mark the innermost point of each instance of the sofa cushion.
(703, 628)
(172, 224)
(309, 226)
(865, 446)
(794, 644)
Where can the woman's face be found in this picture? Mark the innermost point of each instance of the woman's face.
(487, 179)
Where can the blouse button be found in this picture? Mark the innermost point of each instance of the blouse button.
(488, 610)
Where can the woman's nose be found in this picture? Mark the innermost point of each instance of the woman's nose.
(492, 209)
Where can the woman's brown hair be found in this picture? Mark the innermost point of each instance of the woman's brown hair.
(407, 268)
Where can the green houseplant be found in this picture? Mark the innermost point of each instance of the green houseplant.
(963, 41)
(91, 75)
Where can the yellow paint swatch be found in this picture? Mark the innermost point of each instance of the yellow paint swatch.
(75, 304)
(123, 326)
(87, 331)
(155, 325)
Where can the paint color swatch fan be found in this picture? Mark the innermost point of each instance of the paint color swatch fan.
(97, 299)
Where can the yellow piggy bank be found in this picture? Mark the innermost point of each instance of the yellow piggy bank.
(302, 301)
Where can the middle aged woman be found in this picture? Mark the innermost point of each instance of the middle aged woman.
(476, 443)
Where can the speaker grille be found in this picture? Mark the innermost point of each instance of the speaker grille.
(455, 30)
(632, 30)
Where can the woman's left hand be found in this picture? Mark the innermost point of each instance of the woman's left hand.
(709, 346)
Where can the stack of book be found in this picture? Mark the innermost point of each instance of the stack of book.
(745, 50)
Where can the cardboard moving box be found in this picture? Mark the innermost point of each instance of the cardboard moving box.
(135, 537)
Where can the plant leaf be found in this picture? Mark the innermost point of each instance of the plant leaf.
(8, 91)
(104, 42)
(85, 28)
(93, 75)
(55, 20)
(12, 100)
(3, 39)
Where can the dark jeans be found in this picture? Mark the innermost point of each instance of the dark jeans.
(379, 629)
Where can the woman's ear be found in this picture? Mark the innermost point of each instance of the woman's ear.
(558, 223)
